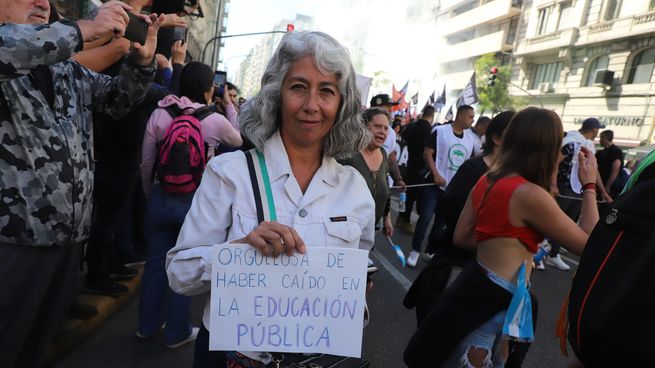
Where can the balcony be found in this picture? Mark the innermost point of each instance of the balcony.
(489, 12)
(493, 42)
(547, 42)
(617, 29)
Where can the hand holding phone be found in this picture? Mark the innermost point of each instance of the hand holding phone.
(179, 34)
(220, 77)
(137, 29)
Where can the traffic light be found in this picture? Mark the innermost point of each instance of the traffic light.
(290, 27)
(493, 75)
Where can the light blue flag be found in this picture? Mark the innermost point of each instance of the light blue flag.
(518, 320)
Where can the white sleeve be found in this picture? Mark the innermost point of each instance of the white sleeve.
(390, 142)
(188, 264)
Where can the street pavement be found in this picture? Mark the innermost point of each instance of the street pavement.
(391, 325)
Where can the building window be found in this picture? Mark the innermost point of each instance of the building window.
(511, 33)
(612, 9)
(641, 69)
(564, 16)
(599, 63)
(651, 6)
(543, 20)
(546, 73)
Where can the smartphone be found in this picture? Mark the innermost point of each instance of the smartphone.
(137, 29)
(179, 33)
(220, 77)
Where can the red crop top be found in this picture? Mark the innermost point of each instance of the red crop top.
(492, 215)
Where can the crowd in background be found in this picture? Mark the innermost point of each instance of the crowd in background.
(114, 154)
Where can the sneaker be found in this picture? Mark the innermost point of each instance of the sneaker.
(558, 263)
(103, 285)
(120, 272)
(191, 337)
(130, 260)
(412, 259)
(427, 256)
(540, 266)
(144, 336)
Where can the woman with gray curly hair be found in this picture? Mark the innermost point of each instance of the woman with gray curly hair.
(306, 114)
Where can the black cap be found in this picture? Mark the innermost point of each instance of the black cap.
(382, 99)
(591, 123)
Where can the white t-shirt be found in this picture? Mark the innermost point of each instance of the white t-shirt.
(390, 143)
(477, 150)
(570, 148)
(452, 151)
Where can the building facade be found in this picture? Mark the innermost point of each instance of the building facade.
(248, 77)
(202, 29)
(586, 58)
(471, 28)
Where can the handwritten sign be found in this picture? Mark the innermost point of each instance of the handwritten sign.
(303, 303)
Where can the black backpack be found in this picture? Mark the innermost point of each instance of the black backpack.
(612, 299)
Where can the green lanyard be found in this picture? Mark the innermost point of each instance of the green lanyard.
(267, 186)
(645, 162)
(261, 186)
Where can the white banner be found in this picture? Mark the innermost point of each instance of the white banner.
(303, 303)
(363, 85)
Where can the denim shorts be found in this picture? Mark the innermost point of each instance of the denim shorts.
(487, 336)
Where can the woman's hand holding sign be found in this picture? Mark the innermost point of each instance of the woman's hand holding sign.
(272, 239)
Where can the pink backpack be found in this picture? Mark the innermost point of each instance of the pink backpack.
(182, 151)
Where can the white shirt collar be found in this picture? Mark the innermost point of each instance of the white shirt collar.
(278, 162)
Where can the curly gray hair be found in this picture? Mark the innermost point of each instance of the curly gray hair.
(260, 115)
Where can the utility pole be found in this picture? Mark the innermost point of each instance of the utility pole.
(217, 30)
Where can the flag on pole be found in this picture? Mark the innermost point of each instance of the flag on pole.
(415, 99)
(398, 96)
(469, 94)
(441, 100)
(449, 114)
(430, 100)
(404, 89)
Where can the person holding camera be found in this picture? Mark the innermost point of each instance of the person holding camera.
(225, 102)
(46, 121)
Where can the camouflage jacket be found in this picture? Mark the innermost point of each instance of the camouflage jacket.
(46, 154)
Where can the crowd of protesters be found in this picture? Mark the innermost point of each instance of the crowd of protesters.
(89, 123)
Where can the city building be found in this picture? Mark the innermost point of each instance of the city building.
(251, 69)
(470, 29)
(201, 30)
(586, 58)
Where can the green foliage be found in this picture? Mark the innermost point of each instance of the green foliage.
(494, 98)
(381, 82)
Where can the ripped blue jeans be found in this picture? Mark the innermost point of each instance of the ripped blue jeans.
(487, 336)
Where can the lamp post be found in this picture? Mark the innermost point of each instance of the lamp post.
(216, 38)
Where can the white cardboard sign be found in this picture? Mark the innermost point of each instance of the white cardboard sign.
(303, 303)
